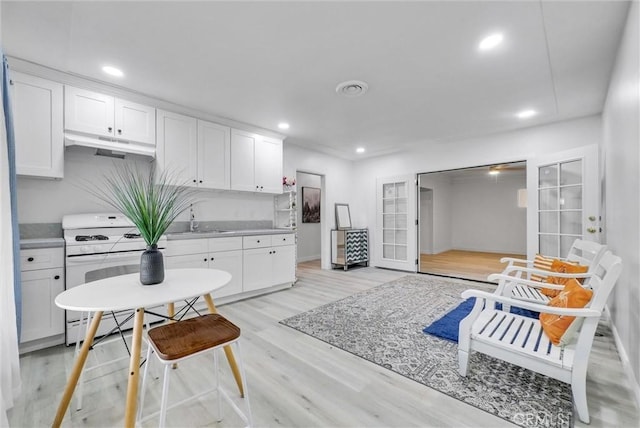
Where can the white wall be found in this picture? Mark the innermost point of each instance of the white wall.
(621, 148)
(497, 148)
(442, 226)
(485, 215)
(309, 234)
(426, 221)
(46, 201)
(337, 187)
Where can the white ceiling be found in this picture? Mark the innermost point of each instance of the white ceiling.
(266, 62)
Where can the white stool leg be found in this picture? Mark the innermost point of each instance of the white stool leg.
(216, 369)
(165, 393)
(79, 337)
(244, 383)
(144, 381)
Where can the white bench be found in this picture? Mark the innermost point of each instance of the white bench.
(586, 253)
(520, 340)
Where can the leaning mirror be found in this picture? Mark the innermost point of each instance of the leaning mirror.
(343, 217)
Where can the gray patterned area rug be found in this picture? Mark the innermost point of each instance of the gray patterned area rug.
(384, 325)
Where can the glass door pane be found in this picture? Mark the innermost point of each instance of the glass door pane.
(395, 219)
(560, 205)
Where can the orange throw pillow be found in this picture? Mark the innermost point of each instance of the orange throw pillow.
(542, 263)
(573, 296)
(561, 267)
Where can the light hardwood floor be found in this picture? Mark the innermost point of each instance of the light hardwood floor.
(295, 380)
(476, 265)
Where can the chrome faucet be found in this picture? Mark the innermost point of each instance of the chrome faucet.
(192, 219)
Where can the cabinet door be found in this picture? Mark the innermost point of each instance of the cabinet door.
(268, 165)
(40, 316)
(214, 156)
(228, 261)
(37, 110)
(284, 264)
(135, 122)
(200, 261)
(176, 146)
(88, 112)
(257, 269)
(242, 160)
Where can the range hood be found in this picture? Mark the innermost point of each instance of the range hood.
(113, 146)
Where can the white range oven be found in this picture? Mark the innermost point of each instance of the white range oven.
(100, 246)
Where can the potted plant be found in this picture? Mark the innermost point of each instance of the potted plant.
(152, 202)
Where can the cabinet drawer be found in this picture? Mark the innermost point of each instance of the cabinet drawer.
(225, 244)
(41, 258)
(258, 241)
(187, 246)
(280, 240)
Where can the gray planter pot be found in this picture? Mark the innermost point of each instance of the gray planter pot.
(151, 266)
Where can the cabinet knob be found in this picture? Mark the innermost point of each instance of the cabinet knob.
(274, 251)
(56, 277)
(194, 181)
(119, 131)
(258, 241)
(205, 260)
(109, 129)
(30, 259)
(261, 187)
(200, 181)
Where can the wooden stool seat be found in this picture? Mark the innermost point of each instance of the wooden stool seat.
(178, 340)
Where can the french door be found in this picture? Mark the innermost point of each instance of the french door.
(396, 223)
(563, 201)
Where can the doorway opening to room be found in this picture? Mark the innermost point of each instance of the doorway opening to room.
(470, 218)
(310, 201)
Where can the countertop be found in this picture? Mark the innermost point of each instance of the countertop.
(227, 233)
(34, 243)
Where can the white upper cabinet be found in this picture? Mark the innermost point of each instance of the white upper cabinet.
(176, 148)
(268, 165)
(214, 156)
(37, 111)
(198, 150)
(256, 162)
(93, 113)
(135, 122)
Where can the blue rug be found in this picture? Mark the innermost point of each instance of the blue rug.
(447, 326)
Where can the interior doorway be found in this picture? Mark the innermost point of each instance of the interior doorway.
(470, 218)
(309, 228)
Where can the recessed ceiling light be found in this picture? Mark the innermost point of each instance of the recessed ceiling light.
(360, 150)
(352, 88)
(526, 114)
(283, 125)
(112, 71)
(490, 42)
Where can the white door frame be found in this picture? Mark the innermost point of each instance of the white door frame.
(401, 261)
(590, 193)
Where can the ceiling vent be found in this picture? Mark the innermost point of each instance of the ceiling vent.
(352, 88)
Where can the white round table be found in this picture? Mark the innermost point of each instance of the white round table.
(126, 292)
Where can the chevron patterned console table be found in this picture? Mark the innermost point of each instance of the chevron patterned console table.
(349, 247)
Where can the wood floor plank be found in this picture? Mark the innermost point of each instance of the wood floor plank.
(295, 380)
(475, 265)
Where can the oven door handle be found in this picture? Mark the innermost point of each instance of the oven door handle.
(92, 258)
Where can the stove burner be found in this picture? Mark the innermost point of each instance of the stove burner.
(82, 238)
(131, 235)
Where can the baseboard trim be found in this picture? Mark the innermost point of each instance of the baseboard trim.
(308, 258)
(624, 358)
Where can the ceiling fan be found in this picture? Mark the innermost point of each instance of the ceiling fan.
(497, 169)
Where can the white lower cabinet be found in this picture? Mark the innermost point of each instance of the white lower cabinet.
(269, 260)
(42, 275)
(255, 262)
